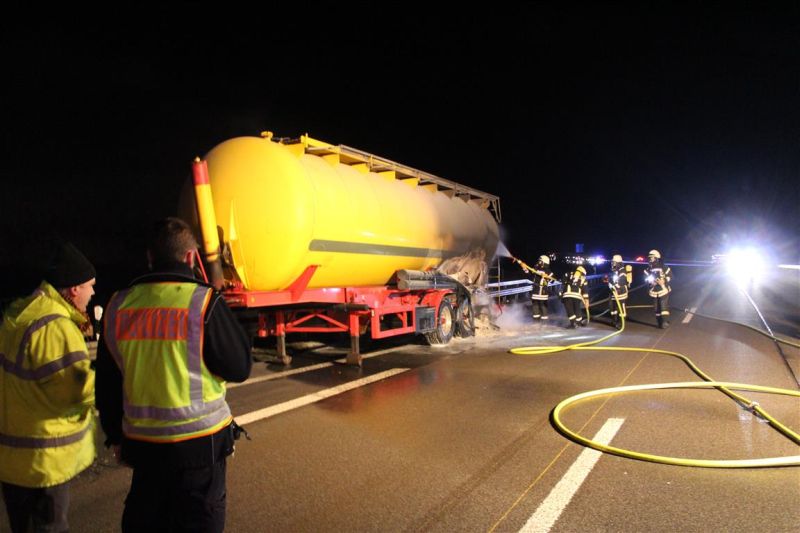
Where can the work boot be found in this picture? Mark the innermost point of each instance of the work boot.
(660, 322)
(617, 323)
(582, 322)
(663, 324)
(571, 324)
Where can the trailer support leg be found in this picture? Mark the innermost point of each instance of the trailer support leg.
(280, 335)
(354, 356)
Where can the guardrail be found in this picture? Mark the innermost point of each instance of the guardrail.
(522, 286)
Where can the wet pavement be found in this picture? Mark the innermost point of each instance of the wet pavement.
(459, 438)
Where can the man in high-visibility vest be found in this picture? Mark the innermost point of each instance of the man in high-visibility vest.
(46, 395)
(170, 344)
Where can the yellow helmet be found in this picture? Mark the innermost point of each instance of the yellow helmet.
(617, 258)
(544, 259)
(581, 270)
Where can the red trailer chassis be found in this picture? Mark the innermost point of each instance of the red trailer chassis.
(384, 311)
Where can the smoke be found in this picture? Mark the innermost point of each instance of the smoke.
(502, 250)
(514, 316)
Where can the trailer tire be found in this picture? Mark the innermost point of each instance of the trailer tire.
(445, 325)
(465, 319)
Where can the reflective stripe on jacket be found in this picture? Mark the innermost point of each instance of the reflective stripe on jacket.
(619, 282)
(154, 331)
(540, 284)
(660, 286)
(576, 287)
(46, 392)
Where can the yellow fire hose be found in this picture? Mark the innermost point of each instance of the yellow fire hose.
(708, 382)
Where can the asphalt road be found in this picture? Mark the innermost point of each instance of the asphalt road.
(459, 438)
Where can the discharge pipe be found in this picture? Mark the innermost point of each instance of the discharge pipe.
(208, 223)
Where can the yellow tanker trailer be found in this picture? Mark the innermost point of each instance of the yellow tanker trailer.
(313, 237)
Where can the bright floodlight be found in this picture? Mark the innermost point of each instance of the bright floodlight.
(744, 263)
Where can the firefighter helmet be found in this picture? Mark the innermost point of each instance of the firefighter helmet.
(581, 270)
(616, 259)
(654, 253)
(544, 259)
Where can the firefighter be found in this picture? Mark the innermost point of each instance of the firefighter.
(659, 277)
(618, 285)
(575, 295)
(170, 343)
(46, 395)
(542, 276)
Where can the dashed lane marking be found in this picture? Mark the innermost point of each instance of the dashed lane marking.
(551, 508)
(689, 315)
(309, 368)
(308, 399)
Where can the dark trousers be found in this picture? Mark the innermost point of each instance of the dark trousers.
(573, 307)
(540, 309)
(613, 309)
(661, 307)
(41, 510)
(170, 500)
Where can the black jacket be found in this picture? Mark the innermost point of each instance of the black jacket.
(226, 353)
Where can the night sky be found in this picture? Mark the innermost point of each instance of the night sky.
(625, 128)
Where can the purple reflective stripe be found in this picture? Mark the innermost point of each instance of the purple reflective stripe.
(110, 325)
(45, 370)
(173, 413)
(194, 345)
(194, 350)
(42, 442)
(35, 326)
(180, 429)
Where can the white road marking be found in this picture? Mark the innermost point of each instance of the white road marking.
(314, 397)
(286, 373)
(551, 508)
(689, 315)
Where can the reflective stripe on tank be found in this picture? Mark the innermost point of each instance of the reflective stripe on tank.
(16, 368)
(319, 245)
(42, 442)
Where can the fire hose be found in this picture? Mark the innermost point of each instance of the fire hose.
(708, 382)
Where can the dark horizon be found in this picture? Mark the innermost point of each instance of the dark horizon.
(622, 127)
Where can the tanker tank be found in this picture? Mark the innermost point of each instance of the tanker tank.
(282, 206)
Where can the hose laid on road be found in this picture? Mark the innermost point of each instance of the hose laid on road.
(708, 382)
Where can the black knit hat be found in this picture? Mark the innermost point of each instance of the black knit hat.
(69, 267)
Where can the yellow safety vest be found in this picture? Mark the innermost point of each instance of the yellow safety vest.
(46, 392)
(154, 331)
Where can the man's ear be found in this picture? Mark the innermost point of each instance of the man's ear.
(188, 258)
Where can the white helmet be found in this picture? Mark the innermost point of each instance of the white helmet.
(655, 253)
(617, 258)
(544, 259)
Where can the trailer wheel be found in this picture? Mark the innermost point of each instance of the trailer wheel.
(465, 319)
(445, 324)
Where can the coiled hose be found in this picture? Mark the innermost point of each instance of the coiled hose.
(708, 382)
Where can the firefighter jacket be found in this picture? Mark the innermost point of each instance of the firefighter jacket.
(618, 281)
(659, 277)
(170, 345)
(541, 279)
(46, 392)
(575, 286)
